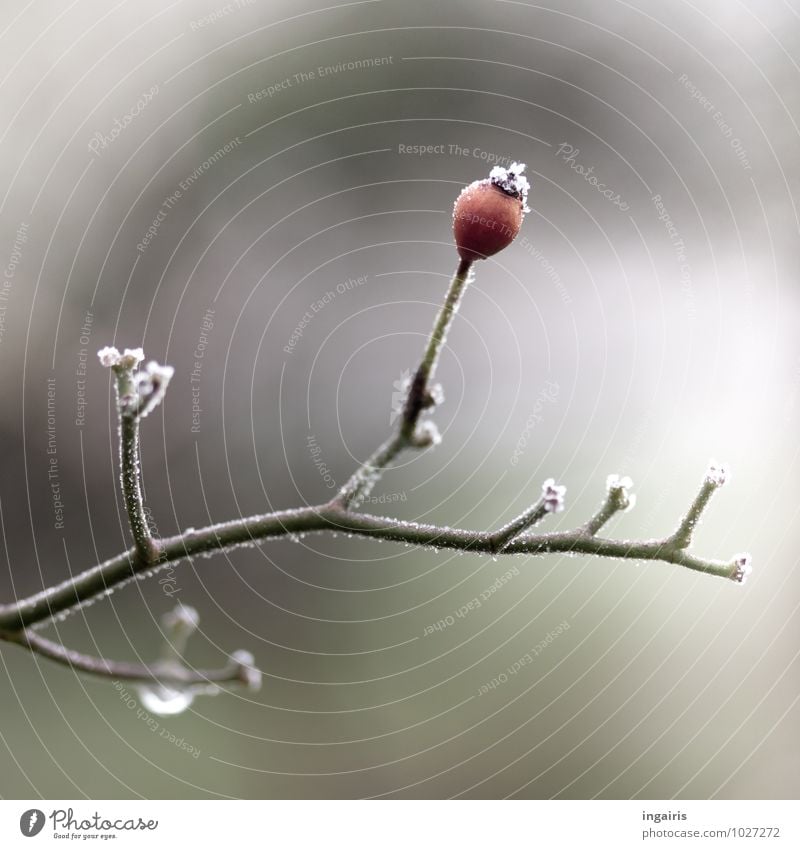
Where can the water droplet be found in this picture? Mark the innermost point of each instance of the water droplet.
(164, 701)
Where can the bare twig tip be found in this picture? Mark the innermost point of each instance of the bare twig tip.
(129, 359)
(717, 473)
(618, 488)
(247, 673)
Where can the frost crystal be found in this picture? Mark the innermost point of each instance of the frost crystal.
(512, 182)
(128, 359)
(427, 434)
(553, 496)
(108, 357)
(131, 357)
(151, 386)
(717, 473)
(743, 568)
(619, 487)
(436, 394)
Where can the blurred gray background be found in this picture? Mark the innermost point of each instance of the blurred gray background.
(268, 148)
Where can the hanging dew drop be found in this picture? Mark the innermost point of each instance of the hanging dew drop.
(165, 701)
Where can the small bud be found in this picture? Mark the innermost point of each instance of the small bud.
(130, 358)
(151, 386)
(108, 357)
(619, 488)
(488, 213)
(717, 474)
(553, 496)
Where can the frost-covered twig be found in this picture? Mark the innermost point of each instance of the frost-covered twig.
(170, 670)
(552, 501)
(618, 499)
(332, 517)
(156, 672)
(487, 216)
(715, 478)
(421, 396)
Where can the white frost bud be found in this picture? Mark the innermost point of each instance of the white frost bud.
(129, 359)
(249, 675)
(151, 386)
(619, 486)
(717, 474)
(553, 496)
(742, 562)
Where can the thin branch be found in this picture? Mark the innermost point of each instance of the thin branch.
(132, 488)
(618, 499)
(361, 482)
(552, 501)
(137, 393)
(420, 397)
(101, 579)
(574, 541)
(170, 671)
(714, 479)
(130, 480)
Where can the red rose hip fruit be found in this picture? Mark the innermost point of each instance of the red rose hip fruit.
(488, 213)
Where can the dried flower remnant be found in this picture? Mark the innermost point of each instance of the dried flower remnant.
(553, 496)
